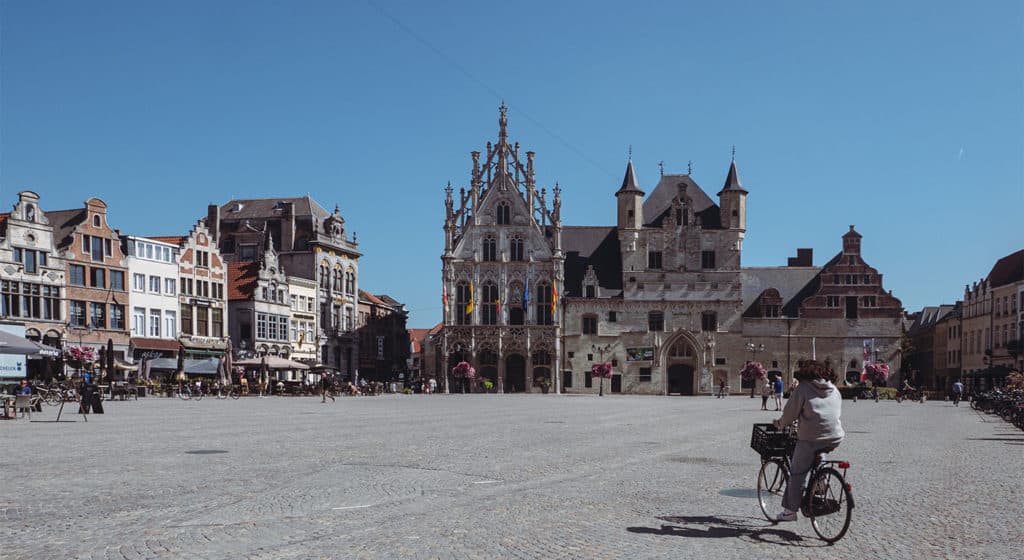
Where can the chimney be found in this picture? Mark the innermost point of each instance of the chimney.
(213, 223)
(804, 257)
(287, 226)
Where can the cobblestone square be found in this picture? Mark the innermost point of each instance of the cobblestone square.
(489, 476)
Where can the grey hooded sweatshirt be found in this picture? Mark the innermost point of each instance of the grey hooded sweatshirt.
(817, 405)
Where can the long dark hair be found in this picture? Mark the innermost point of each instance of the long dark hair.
(808, 370)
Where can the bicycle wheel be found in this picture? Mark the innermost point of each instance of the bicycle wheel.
(222, 393)
(185, 394)
(771, 486)
(52, 398)
(831, 504)
(235, 392)
(198, 395)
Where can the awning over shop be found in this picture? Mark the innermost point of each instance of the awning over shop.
(45, 351)
(197, 344)
(161, 344)
(209, 366)
(14, 344)
(273, 362)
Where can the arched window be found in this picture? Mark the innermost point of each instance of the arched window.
(503, 214)
(489, 308)
(516, 249)
(461, 302)
(337, 280)
(490, 248)
(96, 220)
(543, 299)
(350, 282)
(681, 350)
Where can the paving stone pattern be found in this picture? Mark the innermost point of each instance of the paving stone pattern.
(489, 476)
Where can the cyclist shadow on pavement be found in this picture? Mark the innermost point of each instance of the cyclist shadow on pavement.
(720, 527)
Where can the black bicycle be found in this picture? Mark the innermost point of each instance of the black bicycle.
(827, 500)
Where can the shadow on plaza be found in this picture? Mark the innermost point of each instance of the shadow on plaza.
(721, 527)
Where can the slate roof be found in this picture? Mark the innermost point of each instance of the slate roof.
(596, 246)
(242, 277)
(1007, 270)
(253, 208)
(732, 180)
(794, 284)
(629, 183)
(64, 222)
(928, 317)
(658, 204)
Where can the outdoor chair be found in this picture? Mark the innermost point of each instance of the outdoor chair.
(23, 403)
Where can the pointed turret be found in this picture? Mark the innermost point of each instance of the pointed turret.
(732, 180)
(629, 182)
(732, 199)
(630, 201)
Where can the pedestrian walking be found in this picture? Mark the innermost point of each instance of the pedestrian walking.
(721, 388)
(777, 385)
(325, 388)
(766, 391)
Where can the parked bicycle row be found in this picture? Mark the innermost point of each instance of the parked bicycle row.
(1008, 405)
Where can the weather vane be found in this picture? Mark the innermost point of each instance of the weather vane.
(661, 166)
(689, 167)
(630, 151)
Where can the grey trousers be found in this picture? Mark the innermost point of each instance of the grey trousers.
(799, 465)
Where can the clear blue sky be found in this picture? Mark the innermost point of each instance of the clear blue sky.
(904, 118)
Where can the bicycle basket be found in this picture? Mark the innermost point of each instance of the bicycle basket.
(770, 442)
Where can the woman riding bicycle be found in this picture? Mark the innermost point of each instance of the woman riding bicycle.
(816, 404)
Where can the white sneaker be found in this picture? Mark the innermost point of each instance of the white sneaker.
(785, 515)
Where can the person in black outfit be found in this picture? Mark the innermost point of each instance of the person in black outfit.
(325, 388)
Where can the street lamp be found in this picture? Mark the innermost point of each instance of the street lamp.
(753, 349)
(600, 350)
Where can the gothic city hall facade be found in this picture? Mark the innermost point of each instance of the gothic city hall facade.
(533, 304)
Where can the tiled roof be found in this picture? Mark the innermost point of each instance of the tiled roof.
(172, 239)
(629, 183)
(417, 337)
(1007, 270)
(242, 280)
(363, 294)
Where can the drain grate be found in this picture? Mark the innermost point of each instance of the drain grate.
(206, 451)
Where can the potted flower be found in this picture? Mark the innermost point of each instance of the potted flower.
(876, 373)
(602, 370)
(464, 371)
(753, 372)
(544, 383)
(81, 357)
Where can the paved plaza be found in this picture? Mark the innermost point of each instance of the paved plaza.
(489, 476)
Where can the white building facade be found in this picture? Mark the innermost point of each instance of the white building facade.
(152, 296)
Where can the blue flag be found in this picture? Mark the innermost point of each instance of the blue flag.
(526, 294)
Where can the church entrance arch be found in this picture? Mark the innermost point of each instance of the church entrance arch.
(515, 374)
(680, 358)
